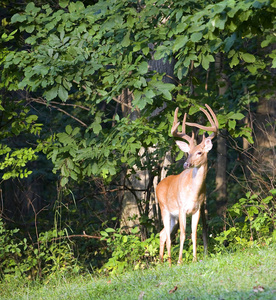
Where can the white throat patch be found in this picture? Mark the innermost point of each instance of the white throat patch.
(195, 170)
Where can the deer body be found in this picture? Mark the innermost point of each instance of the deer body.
(174, 192)
(182, 195)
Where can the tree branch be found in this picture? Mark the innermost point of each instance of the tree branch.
(84, 235)
(42, 101)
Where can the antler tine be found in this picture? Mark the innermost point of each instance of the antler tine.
(188, 138)
(213, 115)
(182, 134)
(214, 122)
(175, 124)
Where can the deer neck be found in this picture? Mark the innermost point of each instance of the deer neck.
(199, 173)
(197, 176)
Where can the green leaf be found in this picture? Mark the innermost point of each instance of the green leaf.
(267, 199)
(143, 68)
(137, 95)
(52, 93)
(273, 191)
(236, 116)
(63, 181)
(66, 84)
(164, 88)
(30, 28)
(229, 42)
(108, 79)
(126, 40)
(95, 169)
(273, 63)
(30, 7)
(180, 42)
(195, 37)
(235, 60)
(18, 18)
(39, 69)
(252, 69)
(104, 233)
(75, 131)
(232, 26)
(232, 124)
(161, 52)
(68, 129)
(269, 40)
(96, 127)
(232, 11)
(245, 15)
(247, 57)
(145, 50)
(63, 3)
(62, 93)
(65, 139)
(206, 61)
(219, 21)
(149, 93)
(135, 230)
(130, 21)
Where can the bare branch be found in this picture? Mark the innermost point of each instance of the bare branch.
(84, 235)
(42, 101)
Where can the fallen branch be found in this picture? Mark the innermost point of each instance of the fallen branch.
(84, 235)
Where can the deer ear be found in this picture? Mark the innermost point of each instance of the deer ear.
(208, 145)
(183, 146)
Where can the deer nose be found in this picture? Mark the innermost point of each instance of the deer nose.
(186, 165)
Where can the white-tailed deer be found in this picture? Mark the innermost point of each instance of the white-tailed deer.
(182, 195)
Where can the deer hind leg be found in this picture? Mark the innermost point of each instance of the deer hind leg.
(165, 236)
(182, 226)
(195, 219)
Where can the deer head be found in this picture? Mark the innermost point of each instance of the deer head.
(197, 153)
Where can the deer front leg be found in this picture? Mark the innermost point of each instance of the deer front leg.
(182, 225)
(195, 219)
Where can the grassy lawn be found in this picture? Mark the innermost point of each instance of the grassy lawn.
(249, 274)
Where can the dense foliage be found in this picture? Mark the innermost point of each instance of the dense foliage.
(86, 87)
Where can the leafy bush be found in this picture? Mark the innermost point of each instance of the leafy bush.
(259, 213)
(253, 221)
(10, 251)
(128, 251)
(49, 255)
(54, 254)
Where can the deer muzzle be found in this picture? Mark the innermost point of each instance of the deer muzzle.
(186, 165)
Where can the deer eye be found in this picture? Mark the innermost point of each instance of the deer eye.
(199, 153)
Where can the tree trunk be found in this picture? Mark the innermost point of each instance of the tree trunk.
(263, 167)
(221, 182)
(130, 195)
(261, 164)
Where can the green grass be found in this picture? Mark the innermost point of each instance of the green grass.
(249, 274)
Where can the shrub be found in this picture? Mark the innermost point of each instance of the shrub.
(253, 221)
(49, 255)
(128, 251)
(10, 251)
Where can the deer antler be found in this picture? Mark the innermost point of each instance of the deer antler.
(214, 122)
(182, 134)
